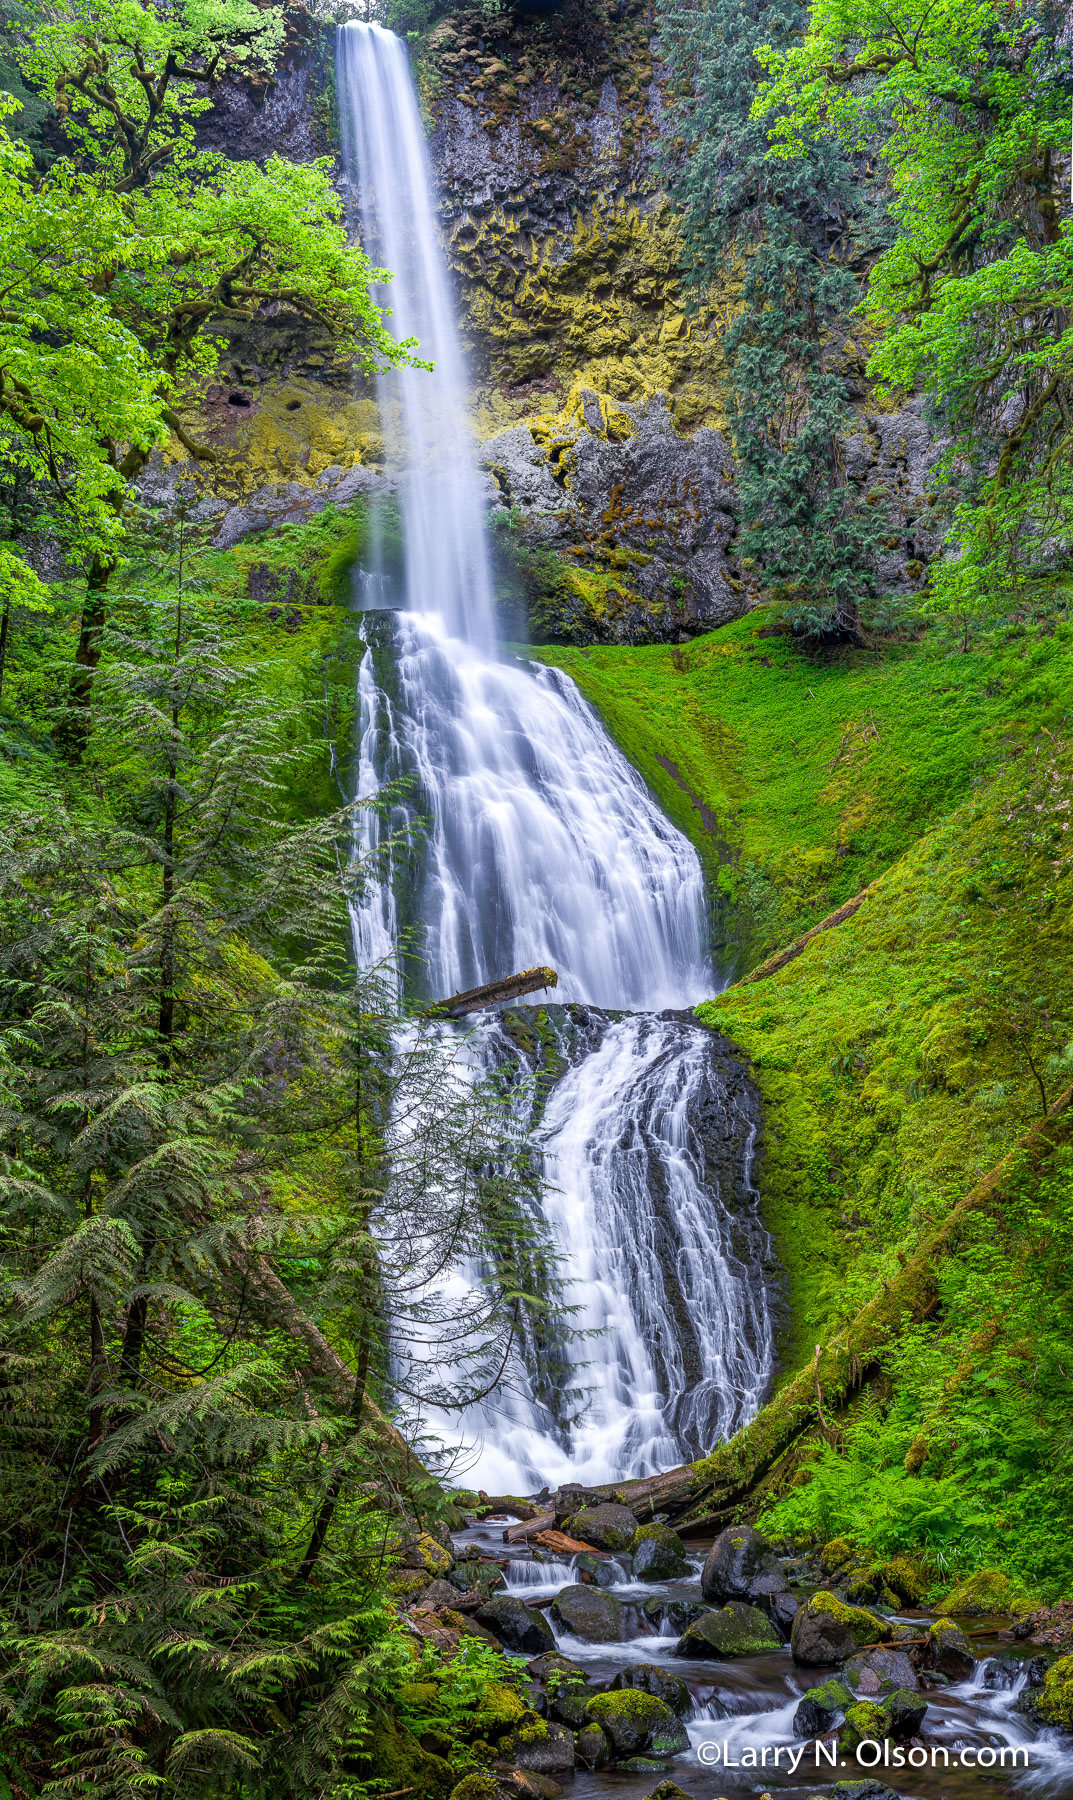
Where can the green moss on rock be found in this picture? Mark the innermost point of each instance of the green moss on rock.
(1055, 1702)
(984, 1593)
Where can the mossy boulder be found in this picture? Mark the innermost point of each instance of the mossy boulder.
(906, 1579)
(835, 1555)
(667, 1790)
(947, 1650)
(636, 1722)
(905, 1710)
(540, 1746)
(476, 1787)
(741, 1565)
(589, 1614)
(728, 1631)
(405, 1583)
(519, 1627)
(592, 1747)
(394, 1756)
(501, 1709)
(423, 1552)
(658, 1554)
(819, 1707)
(649, 1678)
(826, 1630)
(980, 1595)
(1054, 1701)
(864, 1719)
(555, 1670)
(607, 1527)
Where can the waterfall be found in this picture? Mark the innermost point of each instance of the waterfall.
(541, 845)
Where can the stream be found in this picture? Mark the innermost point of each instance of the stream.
(540, 845)
(747, 1704)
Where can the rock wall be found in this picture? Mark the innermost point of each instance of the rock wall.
(599, 396)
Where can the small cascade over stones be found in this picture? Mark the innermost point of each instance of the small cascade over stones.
(541, 845)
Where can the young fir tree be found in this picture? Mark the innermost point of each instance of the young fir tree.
(222, 1182)
(787, 229)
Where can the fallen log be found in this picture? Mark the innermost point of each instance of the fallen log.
(528, 1528)
(511, 987)
(568, 1546)
(725, 1478)
(782, 957)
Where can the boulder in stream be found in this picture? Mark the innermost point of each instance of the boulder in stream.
(741, 1565)
(607, 1527)
(732, 1630)
(592, 1747)
(874, 1673)
(947, 1650)
(826, 1630)
(905, 1710)
(658, 1554)
(637, 1723)
(649, 1678)
(521, 1628)
(597, 1571)
(588, 1613)
(818, 1709)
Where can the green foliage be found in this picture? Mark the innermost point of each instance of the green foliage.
(223, 1170)
(808, 533)
(970, 107)
(997, 1484)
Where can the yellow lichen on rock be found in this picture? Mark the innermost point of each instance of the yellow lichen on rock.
(287, 430)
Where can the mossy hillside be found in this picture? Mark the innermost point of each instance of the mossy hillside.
(801, 782)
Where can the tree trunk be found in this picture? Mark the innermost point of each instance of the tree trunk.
(511, 987)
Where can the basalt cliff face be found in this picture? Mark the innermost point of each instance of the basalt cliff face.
(599, 401)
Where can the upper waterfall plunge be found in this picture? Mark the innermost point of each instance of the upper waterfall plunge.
(540, 844)
(391, 198)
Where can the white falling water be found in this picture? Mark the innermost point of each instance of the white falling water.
(542, 845)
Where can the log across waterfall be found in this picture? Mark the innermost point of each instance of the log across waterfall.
(539, 845)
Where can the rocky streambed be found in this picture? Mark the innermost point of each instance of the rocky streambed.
(657, 1669)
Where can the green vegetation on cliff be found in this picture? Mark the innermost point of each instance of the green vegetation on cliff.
(904, 1050)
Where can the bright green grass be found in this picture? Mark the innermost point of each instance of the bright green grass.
(800, 782)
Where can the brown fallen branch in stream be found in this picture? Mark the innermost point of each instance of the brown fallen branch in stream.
(782, 957)
(705, 1493)
(568, 1546)
(511, 987)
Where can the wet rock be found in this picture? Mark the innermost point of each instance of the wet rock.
(519, 1627)
(819, 1708)
(1028, 1700)
(568, 1706)
(658, 1554)
(639, 1765)
(589, 1614)
(905, 1712)
(875, 1672)
(649, 1678)
(606, 1527)
(678, 1614)
(865, 1721)
(947, 1650)
(598, 1571)
(741, 1565)
(592, 1747)
(732, 1630)
(667, 1790)
(637, 1722)
(826, 1630)
(542, 1747)
(424, 1552)
(1054, 1698)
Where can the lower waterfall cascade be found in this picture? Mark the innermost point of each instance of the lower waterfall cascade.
(542, 846)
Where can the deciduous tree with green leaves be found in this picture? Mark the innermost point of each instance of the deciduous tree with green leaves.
(140, 242)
